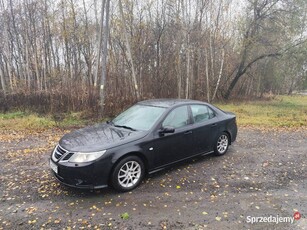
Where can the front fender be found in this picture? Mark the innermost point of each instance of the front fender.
(122, 152)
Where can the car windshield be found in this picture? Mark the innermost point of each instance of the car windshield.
(139, 117)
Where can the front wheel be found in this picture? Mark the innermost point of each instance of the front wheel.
(128, 174)
(221, 144)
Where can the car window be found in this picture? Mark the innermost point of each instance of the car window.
(139, 117)
(177, 118)
(201, 113)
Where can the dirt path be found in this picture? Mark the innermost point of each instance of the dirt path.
(264, 174)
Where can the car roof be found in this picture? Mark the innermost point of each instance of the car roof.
(166, 103)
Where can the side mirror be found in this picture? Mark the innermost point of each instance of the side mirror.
(166, 129)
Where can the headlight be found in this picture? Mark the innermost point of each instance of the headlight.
(85, 157)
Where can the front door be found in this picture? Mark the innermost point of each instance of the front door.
(172, 147)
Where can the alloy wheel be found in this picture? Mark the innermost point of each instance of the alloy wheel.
(222, 144)
(129, 174)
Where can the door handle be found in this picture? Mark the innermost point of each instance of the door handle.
(213, 125)
(188, 132)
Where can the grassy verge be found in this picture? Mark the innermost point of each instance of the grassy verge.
(282, 111)
(30, 121)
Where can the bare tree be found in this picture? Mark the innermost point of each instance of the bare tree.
(99, 42)
(136, 88)
(104, 59)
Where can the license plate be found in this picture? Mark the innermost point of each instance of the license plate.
(54, 167)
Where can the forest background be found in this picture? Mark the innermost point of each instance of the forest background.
(102, 56)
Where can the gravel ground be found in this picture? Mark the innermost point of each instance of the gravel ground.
(262, 175)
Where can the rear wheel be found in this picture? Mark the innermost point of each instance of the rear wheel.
(128, 174)
(222, 144)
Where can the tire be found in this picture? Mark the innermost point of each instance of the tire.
(128, 174)
(221, 144)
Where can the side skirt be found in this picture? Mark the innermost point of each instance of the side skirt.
(175, 162)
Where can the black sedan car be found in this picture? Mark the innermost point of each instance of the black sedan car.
(145, 138)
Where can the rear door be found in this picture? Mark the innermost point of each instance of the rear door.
(205, 127)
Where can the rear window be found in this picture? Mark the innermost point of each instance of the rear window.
(201, 113)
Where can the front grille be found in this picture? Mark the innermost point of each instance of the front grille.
(59, 153)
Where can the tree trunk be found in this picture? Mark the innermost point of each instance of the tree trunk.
(207, 76)
(99, 43)
(3, 85)
(220, 74)
(104, 58)
(179, 77)
(129, 50)
(188, 67)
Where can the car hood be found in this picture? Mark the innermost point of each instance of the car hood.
(98, 137)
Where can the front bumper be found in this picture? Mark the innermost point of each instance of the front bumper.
(93, 175)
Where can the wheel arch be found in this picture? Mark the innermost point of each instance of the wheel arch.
(229, 135)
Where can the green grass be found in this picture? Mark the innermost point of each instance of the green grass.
(12, 115)
(32, 121)
(21, 121)
(282, 111)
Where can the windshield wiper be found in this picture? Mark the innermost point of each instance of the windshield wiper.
(125, 127)
(120, 126)
(110, 123)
